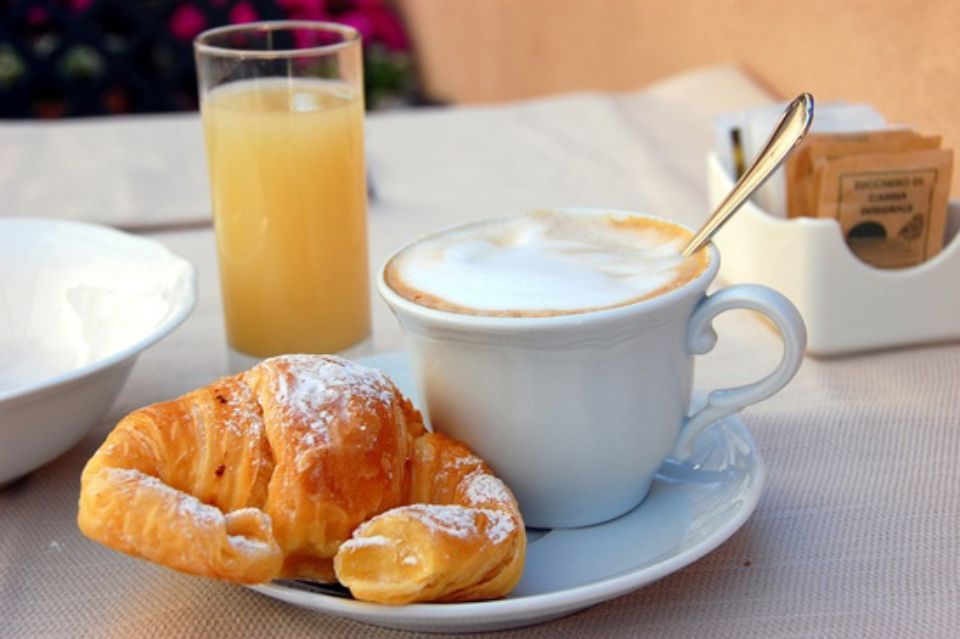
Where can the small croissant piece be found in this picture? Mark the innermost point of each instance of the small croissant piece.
(462, 539)
(266, 474)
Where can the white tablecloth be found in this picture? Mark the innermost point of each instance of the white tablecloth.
(856, 534)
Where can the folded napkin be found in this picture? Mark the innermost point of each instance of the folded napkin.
(125, 171)
(640, 151)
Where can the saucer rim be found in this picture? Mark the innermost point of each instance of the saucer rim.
(537, 606)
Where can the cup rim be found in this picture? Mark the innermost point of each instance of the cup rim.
(468, 321)
(351, 38)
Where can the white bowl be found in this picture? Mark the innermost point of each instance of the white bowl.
(78, 303)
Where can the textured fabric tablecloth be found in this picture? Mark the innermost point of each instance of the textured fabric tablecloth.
(857, 531)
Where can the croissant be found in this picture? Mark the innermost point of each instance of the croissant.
(307, 467)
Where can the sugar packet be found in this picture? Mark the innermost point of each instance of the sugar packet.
(892, 207)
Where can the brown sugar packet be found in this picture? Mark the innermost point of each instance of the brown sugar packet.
(801, 167)
(854, 145)
(892, 207)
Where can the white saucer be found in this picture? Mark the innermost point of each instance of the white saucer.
(692, 508)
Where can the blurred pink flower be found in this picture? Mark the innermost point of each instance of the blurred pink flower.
(36, 16)
(386, 26)
(80, 5)
(376, 22)
(297, 6)
(359, 21)
(305, 9)
(374, 19)
(243, 12)
(186, 22)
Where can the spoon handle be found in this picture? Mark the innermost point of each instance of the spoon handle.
(791, 128)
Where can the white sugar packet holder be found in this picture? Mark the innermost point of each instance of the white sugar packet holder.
(848, 305)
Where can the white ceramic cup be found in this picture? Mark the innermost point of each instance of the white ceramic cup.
(577, 412)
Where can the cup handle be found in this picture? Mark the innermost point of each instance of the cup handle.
(701, 338)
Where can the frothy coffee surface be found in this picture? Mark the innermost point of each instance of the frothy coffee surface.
(544, 263)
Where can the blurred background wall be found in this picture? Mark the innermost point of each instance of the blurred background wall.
(899, 55)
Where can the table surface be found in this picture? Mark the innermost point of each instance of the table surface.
(856, 533)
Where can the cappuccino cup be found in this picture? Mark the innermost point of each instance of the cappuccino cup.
(559, 345)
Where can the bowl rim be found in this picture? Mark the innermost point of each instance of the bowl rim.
(183, 306)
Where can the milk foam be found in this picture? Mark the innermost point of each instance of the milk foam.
(542, 262)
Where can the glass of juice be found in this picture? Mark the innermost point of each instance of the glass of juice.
(282, 107)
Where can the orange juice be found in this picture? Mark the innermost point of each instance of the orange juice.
(289, 204)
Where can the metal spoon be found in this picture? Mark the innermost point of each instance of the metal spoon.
(791, 128)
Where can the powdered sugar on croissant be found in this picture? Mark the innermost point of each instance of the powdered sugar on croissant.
(267, 473)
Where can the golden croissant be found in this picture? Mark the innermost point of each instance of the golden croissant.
(307, 467)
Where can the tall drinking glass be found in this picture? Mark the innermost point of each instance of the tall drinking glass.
(282, 106)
